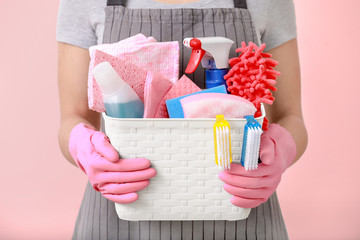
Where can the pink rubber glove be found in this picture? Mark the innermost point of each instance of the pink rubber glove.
(251, 188)
(116, 179)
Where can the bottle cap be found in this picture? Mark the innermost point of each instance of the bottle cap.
(107, 78)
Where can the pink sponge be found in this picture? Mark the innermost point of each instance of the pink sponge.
(208, 105)
(182, 87)
(155, 89)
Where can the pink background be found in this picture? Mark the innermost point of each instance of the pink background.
(41, 192)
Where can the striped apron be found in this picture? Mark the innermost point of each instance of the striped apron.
(97, 218)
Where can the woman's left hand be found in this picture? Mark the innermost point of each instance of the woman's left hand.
(251, 188)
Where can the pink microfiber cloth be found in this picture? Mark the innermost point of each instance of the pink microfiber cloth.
(182, 87)
(252, 76)
(155, 89)
(208, 105)
(137, 52)
(116, 49)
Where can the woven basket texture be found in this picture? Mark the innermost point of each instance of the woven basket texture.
(186, 186)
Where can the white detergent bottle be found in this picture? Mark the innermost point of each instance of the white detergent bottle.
(120, 100)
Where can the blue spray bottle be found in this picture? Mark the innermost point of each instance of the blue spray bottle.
(213, 52)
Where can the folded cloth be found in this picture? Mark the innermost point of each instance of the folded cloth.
(158, 57)
(209, 105)
(116, 49)
(161, 58)
(182, 87)
(155, 89)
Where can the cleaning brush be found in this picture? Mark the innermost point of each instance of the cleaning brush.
(222, 142)
(251, 144)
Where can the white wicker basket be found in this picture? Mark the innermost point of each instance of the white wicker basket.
(186, 186)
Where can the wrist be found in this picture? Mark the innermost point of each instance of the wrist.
(284, 141)
(79, 134)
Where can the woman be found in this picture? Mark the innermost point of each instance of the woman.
(83, 24)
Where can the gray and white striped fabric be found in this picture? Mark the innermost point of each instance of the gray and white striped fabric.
(97, 218)
(177, 24)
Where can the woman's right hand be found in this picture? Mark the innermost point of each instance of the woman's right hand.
(117, 179)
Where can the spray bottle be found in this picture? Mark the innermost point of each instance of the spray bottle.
(213, 52)
(120, 100)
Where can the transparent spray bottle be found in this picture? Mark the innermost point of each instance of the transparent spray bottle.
(119, 98)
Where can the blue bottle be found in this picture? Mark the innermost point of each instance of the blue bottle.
(215, 76)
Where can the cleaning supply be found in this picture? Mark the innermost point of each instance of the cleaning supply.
(252, 76)
(222, 142)
(158, 57)
(182, 87)
(155, 89)
(115, 49)
(120, 100)
(116, 179)
(129, 72)
(208, 105)
(251, 144)
(251, 188)
(132, 58)
(174, 105)
(213, 52)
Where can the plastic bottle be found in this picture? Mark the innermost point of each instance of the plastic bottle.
(120, 100)
(213, 52)
(215, 76)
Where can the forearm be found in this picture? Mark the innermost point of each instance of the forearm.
(286, 109)
(296, 127)
(73, 67)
